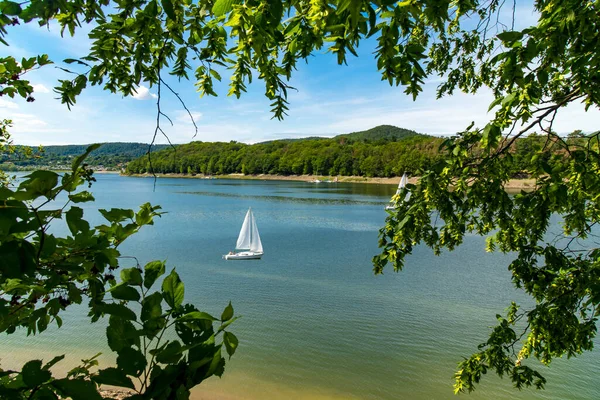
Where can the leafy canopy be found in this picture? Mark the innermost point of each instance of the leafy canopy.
(533, 73)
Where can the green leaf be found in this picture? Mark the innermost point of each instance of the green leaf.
(121, 334)
(131, 361)
(168, 8)
(113, 377)
(173, 290)
(118, 310)
(199, 315)
(222, 7)
(43, 59)
(52, 362)
(152, 271)
(151, 9)
(73, 60)
(224, 325)
(182, 393)
(81, 197)
(276, 11)
(77, 389)
(217, 364)
(510, 36)
(75, 221)
(79, 160)
(145, 214)
(34, 375)
(40, 183)
(151, 307)
(44, 393)
(215, 74)
(227, 313)
(131, 276)
(10, 8)
(125, 292)
(542, 76)
(27, 63)
(170, 354)
(231, 343)
(116, 215)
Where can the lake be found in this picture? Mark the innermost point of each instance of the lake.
(316, 323)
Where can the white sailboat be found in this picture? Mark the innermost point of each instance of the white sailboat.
(401, 185)
(248, 241)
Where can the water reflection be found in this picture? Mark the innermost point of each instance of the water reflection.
(287, 199)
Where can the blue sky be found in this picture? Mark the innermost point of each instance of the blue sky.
(330, 100)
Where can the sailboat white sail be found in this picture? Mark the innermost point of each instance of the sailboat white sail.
(401, 185)
(248, 241)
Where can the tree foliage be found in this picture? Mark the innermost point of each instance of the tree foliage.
(472, 44)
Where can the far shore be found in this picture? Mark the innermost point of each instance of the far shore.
(512, 185)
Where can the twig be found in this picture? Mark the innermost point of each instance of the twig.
(183, 104)
(512, 27)
(548, 110)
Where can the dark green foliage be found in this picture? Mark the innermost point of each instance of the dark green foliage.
(42, 274)
(380, 133)
(107, 149)
(382, 151)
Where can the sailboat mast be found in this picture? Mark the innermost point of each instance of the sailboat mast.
(251, 226)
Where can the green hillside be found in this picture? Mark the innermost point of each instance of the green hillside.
(382, 151)
(381, 132)
(109, 155)
(111, 148)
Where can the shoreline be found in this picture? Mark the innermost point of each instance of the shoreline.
(512, 185)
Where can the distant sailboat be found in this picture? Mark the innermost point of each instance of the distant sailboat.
(401, 185)
(248, 241)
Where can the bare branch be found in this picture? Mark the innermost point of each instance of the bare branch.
(183, 104)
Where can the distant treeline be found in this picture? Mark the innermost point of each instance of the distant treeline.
(342, 155)
(109, 155)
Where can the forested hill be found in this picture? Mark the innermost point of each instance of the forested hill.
(381, 151)
(109, 155)
(381, 132)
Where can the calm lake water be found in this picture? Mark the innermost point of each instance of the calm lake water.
(317, 324)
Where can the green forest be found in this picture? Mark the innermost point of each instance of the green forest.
(383, 151)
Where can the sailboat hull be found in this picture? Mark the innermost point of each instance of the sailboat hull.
(244, 255)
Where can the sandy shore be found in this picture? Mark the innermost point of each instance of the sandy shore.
(513, 184)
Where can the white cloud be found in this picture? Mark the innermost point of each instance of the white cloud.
(184, 117)
(143, 93)
(25, 121)
(28, 129)
(39, 88)
(8, 104)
